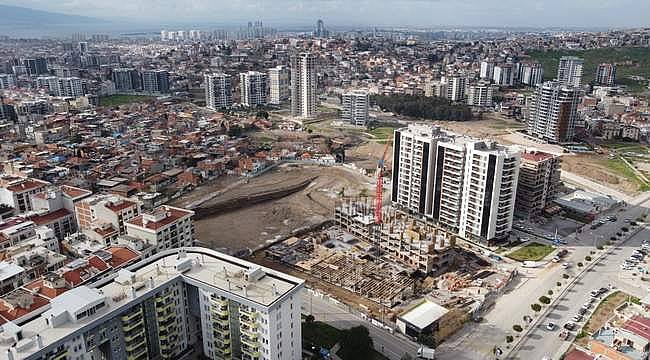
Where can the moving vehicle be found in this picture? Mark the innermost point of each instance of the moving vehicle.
(426, 353)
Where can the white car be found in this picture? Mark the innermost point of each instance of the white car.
(566, 265)
(550, 326)
(556, 259)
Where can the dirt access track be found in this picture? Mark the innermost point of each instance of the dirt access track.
(253, 225)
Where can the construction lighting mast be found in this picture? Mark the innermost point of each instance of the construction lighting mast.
(380, 185)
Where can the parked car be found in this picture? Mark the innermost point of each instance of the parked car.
(566, 265)
(576, 318)
(550, 326)
(570, 326)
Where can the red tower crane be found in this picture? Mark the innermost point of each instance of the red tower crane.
(380, 185)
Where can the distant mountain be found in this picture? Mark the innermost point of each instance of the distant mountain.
(20, 16)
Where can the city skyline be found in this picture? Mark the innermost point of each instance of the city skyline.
(416, 13)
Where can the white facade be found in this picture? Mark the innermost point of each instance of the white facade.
(532, 74)
(218, 91)
(504, 75)
(279, 85)
(456, 88)
(465, 185)
(166, 305)
(252, 86)
(7, 81)
(303, 85)
(355, 107)
(569, 71)
(489, 191)
(480, 95)
(553, 112)
(487, 70)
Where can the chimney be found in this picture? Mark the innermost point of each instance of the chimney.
(245, 291)
(134, 294)
(228, 281)
(275, 290)
(10, 354)
(151, 283)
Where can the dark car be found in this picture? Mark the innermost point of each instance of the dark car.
(582, 311)
(570, 326)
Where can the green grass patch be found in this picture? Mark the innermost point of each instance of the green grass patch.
(382, 133)
(117, 100)
(320, 333)
(531, 252)
(618, 166)
(627, 147)
(630, 62)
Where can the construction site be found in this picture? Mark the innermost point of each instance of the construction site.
(384, 267)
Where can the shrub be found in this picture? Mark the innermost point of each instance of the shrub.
(580, 264)
(599, 247)
(550, 292)
(566, 276)
(544, 300)
(509, 339)
(587, 258)
(558, 284)
(536, 307)
(517, 328)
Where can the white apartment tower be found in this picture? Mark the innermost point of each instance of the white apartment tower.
(487, 69)
(504, 75)
(531, 74)
(303, 85)
(278, 85)
(456, 88)
(606, 74)
(178, 304)
(252, 85)
(218, 91)
(489, 190)
(553, 112)
(464, 185)
(569, 71)
(355, 107)
(480, 95)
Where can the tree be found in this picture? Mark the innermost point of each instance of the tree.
(517, 328)
(587, 258)
(550, 292)
(544, 300)
(580, 264)
(536, 307)
(309, 318)
(558, 284)
(356, 343)
(427, 340)
(566, 276)
(509, 339)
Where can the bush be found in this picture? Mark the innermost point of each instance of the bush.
(536, 307)
(544, 300)
(433, 108)
(309, 318)
(592, 252)
(509, 339)
(587, 258)
(517, 328)
(550, 292)
(580, 264)
(599, 247)
(625, 229)
(566, 276)
(356, 343)
(558, 284)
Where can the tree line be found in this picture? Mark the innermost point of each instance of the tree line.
(433, 108)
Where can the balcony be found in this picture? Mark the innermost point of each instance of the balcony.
(125, 318)
(135, 344)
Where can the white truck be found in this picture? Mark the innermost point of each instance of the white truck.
(426, 353)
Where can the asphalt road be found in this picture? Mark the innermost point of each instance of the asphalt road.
(542, 342)
(392, 346)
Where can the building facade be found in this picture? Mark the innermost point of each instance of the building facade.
(606, 74)
(480, 95)
(279, 85)
(303, 85)
(539, 182)
(179, 304)
(218, 91)
(569, 71)
(155, 81)
(355, 107)
(253, 88)
(126, 79)
(553, 112)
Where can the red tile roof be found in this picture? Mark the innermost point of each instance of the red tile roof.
(536, 156)
(48, 292)
(122, 255)
(10, 314)
(27, 185)
(576, 354)
(639, 325)
(50, 217)
(173, 215)
(119, 205)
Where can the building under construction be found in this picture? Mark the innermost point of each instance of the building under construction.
(399, 236)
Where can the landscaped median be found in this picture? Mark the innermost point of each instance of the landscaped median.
(533, 251)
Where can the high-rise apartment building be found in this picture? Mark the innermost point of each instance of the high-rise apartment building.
(253, 88)
(531, 74)
(553, 112)
(456, 88)
(487, 70)
(218, 91)
(163, 228)
(504, 75)
(7, 81)
(35, 66)
(436, 88)
(489, 191)
(480, 95)
(155, 81)
(279, 85)
(355, 107)
(177, 304)
(539, 181)
(70, 87)
(126, 79)
(569, 71)
(606, 74)
(465, 185)
(303, 85)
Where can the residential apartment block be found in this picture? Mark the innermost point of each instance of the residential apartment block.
(355, 107)
(569, 71)
(164, 228)
(553, 112)
(218, 91)
(253, 86)
(16, 192)
(279, 85)
(180, 304)
(303, 85)
(539, 181)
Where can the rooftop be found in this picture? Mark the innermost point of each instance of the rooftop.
(242, 280)
(423, 314)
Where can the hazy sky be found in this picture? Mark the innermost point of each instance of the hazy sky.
(579, 13)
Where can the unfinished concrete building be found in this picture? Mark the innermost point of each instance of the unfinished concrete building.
(412, 242)
(539, 181)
